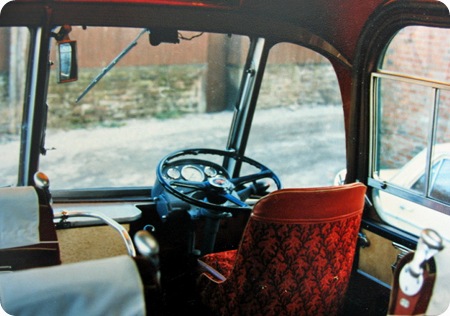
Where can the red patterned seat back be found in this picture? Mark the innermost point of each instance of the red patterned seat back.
(295, 257)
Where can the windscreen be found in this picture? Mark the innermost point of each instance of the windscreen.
(140, 95)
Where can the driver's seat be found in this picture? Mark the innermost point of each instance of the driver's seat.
(295, 257)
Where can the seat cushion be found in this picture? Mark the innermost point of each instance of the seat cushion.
(221, 262)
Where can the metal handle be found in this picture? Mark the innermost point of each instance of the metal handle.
(411, 276)
(430, 243)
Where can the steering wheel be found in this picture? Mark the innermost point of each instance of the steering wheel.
(207, 184)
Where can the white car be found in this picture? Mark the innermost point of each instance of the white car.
(404, 213)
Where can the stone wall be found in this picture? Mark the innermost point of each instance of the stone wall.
(125, 93)
(167, 91)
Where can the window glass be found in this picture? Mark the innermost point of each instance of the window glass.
(154, 100)
(411, 123)
(443, 117)
(300, 116)
(398, 142)
(423, 50)
(13, 57)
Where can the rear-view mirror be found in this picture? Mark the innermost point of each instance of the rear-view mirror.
(67, 57)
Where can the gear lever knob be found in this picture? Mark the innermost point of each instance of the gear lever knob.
(148, 247)
(429, 244)
(146, 243)
(42, 181)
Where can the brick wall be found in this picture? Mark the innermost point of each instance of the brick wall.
(407, 108)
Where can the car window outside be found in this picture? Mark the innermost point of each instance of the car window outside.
(440, 182)
(411, 120)
(13, 56)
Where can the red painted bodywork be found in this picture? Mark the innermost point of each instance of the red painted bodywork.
(338, 22)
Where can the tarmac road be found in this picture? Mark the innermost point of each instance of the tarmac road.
(303, 146)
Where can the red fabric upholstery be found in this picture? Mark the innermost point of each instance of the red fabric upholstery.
(295, 257)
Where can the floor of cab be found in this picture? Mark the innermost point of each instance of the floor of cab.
(364, 297)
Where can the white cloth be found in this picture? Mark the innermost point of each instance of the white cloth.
(109, 286)
(19, 217)
(440, 299)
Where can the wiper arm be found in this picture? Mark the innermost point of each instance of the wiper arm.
(111, 65)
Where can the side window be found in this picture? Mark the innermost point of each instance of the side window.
(411, 131)
(300, 115)
(13, 56)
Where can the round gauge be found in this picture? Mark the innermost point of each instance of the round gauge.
(173, 173)
(210, 171)
(192, 173)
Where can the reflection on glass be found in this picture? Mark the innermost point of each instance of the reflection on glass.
(65, 60)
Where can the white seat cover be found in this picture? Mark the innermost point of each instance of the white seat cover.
(19, 217)
(109, 286)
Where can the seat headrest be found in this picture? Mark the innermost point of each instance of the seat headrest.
(311, 204)
(19, 217)
(110, 286)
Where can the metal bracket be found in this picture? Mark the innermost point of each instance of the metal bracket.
(403, 251)
(363, 241)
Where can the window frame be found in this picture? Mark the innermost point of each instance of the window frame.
(379, 184)
(403, 215)
(376, 35)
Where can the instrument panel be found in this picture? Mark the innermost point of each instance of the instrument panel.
(191, 170)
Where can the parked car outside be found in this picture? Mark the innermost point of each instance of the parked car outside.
(407, 214)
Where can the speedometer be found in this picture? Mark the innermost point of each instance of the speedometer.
(192, 173)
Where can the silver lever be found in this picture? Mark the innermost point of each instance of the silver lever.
(148, 247)
(411, 276)
(63, 215)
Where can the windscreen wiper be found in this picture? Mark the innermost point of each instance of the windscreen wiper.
(111, 65)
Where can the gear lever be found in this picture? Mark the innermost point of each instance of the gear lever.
(42, 182)
(148, 247)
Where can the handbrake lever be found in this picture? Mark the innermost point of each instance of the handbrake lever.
(414, 277)
(411, 276)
